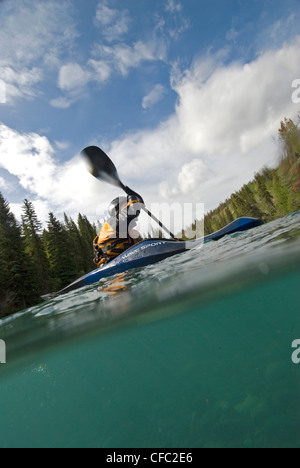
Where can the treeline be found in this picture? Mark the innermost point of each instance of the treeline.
(36, 261)
(272, 194)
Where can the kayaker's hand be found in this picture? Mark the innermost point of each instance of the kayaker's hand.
(136, 199)
(136, 204)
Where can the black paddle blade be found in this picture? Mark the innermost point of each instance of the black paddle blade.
(101, 166)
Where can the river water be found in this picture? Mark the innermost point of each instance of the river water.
(195, 351)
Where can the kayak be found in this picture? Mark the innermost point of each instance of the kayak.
(153, 251)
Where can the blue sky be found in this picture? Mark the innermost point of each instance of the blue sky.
(185, 95)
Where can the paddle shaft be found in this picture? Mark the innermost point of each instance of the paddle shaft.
(159, 222)
(131, 192)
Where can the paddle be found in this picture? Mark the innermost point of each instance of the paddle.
(102, 167)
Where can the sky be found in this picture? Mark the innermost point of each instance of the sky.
(186, 97)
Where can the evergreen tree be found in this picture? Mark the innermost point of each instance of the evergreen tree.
(17, 281)
(240, 206)
(221, 220)
(267, 174)
(208, 224)
(228, 215)
(88, 234)
(265, 196)
(251, 207)
(60, 254)
(282, 196)
(289, 135)
(32, 228)
(76, 245)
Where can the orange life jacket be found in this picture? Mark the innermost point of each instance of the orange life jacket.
(107, 245)
(107, 249)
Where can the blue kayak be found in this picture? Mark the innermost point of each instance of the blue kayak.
(152, 251)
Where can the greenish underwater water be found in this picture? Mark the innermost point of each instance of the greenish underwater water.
(195, 351)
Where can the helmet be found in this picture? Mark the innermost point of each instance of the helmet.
(116, 205)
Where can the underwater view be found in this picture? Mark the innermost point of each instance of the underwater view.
(195, 351)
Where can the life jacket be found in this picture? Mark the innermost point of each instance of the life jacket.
(106, 249)
(108, 246)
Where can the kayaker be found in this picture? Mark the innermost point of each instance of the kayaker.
(118, 233)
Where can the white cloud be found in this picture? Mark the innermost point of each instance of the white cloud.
(32, 30)
(33, 34)
(173, 6)
(29, 157)
(53, 186)
(154, 96)
(222, 131)
(101, 70)
(3, 184)
(113, 23)
(108, 56)
(119, 58)
(20, 83)
(192, 175)
(73, 80)
(62, 102)
(122, 57)
(62, 145)
(175, 23)
(236, 106)
(72, 77)
(232, 35)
